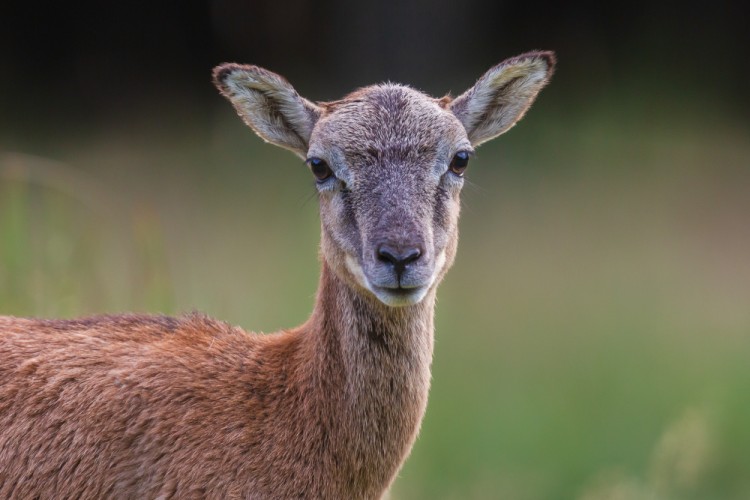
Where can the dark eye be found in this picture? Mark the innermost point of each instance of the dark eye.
(459, 163)
(320, 169)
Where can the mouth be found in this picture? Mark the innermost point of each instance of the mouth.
(399, 297)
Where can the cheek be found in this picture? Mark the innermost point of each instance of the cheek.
(445, 217)
(339, 223)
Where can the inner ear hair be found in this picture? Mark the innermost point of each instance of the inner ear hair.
(268, 104)
(502, 95)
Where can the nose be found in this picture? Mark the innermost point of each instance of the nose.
(398, 256)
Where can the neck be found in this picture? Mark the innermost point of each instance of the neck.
(374, 367)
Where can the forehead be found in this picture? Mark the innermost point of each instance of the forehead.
(387, 120)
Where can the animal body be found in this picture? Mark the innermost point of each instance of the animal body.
(137, 406)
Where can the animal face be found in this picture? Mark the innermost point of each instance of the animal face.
(390, 205)
(388, 162)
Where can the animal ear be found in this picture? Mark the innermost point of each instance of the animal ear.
(502, 95)
(269, 105)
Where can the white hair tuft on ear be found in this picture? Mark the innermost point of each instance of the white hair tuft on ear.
(502, 95)
(268, 104)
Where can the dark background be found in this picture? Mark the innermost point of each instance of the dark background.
(86, 63)
(593, 337)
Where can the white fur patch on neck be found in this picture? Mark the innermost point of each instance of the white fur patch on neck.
(439, 265)
(353, 266)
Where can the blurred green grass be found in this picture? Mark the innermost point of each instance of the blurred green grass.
(592, 339)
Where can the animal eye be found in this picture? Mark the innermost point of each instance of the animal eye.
(320, 169)
(459, 163)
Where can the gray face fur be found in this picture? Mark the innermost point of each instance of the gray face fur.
(389, 148)
(390, 208)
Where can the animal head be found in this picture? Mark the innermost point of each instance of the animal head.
(388, 163)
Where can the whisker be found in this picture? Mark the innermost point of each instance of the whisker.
(307, 198)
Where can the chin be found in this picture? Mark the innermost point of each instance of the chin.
(400, 297)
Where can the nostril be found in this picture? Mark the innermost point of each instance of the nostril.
(387, 254)
(398, 257)
(411, 255)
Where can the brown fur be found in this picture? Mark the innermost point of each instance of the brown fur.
(147, 407)
(138, 406)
